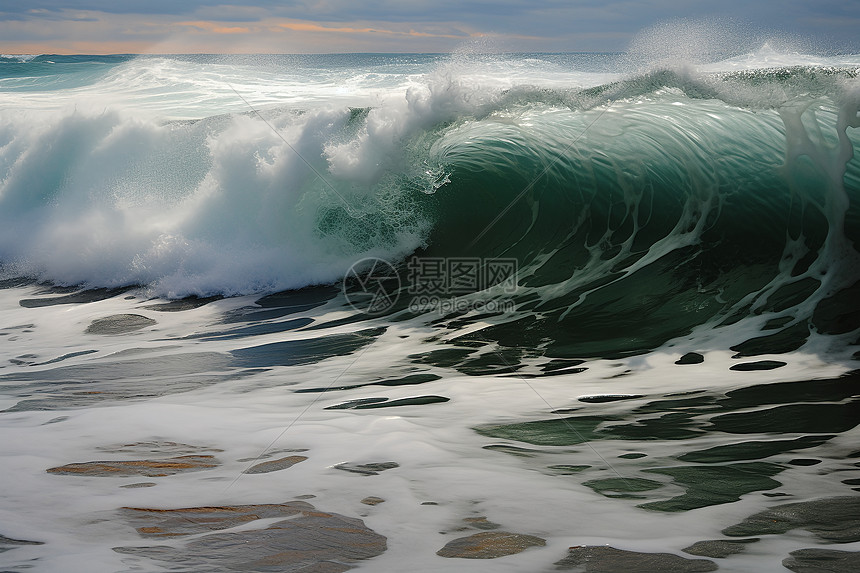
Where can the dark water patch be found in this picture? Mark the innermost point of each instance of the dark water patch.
(80, 297)
(603, 398)
(309, 540)
(88, 384)
(461, 320)
(753, 450)
(132, 352)
(16, 282)
(619, 375)
(690, 358)
(410, 380)
(574, 430)
(505, 361)
(270, 453)
(304, 351)
(352, 319)
(791, 294)
(119, 324)
(66, 357)
(804, 462)
(689, 418)
(24, 360)
(759, 365)
(254, 314)
(461, 342)
(443, 358)
(633, 456)
(513, 450)
(549, 373)
(823, 390)
(139, 485)
(282, 304)
(21, 327)
(823, 561)
(603, 320)
(489, 545)
(719, 548)
(671, 426)
(182, 304)
(321, 390)
(715, 485)
(624, 488)
(256, 330)
(554, 432)
(148, 468)
(605, 559)
(300, 300)
(839, 313)
(782, 342)
(794, 418)
(567, 469)
(851, 481)
(695, 404)
(351, 404)
(7, 543)
(275, 465)
(777, 323)
(370, 469)
(560, 364)
(835, 519)
(373, 403)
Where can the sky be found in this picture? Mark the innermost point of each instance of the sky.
(324, 26)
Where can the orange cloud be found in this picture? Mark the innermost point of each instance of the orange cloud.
(311, 27)
(215, 28)
(101, 33)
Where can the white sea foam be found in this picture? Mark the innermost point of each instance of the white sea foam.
(99, 188)
(440, 456)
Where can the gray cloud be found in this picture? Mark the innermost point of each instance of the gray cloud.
(552, 25)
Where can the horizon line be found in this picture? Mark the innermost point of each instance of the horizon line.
(6, 54)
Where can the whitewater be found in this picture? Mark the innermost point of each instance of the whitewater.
(191, 378)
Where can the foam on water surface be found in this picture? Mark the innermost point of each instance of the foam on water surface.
(443, 470)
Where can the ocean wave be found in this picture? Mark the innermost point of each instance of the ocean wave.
(708, 195)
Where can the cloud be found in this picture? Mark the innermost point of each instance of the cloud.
(390, 25)
(215, 27)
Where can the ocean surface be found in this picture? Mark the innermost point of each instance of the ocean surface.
(457, 312)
